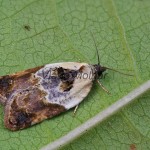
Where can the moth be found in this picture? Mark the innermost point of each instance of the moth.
(36, 94)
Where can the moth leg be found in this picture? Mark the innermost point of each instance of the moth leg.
(75, 110)
(103, 87)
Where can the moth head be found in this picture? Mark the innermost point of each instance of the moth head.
(99, 70)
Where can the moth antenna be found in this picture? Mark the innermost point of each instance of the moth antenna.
(119, 71)
(98, 58)
(96, 48)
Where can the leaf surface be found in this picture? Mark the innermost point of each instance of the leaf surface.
(60, 32)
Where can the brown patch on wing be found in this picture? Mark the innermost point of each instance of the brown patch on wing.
(28, 108)
(20, 80)
(81, 68)
(66, 74)
(66, 86)
(67, 77)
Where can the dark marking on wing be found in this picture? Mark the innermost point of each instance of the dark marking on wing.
(66, 74)
(67, 78)
(20, 80)
(81, 68)
(66, 86)
(29, 108)
(5, 82)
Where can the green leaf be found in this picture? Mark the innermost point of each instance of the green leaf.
(128, 129)
(60, 32)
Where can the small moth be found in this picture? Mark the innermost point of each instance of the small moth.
(36, 94)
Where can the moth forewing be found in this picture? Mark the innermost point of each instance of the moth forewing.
(44, 92)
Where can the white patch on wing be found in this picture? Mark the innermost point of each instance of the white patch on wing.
(80, 89)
